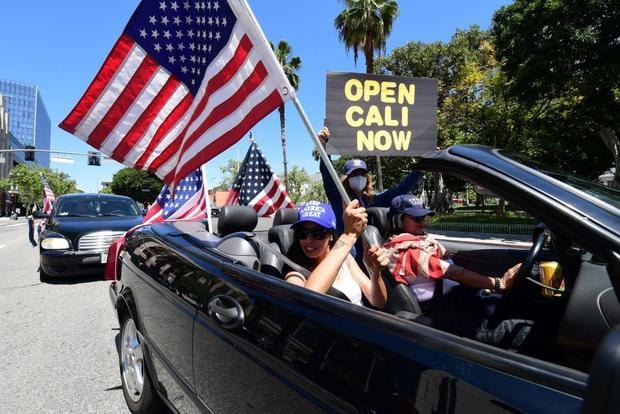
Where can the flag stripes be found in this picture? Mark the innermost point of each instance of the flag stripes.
(146, 109)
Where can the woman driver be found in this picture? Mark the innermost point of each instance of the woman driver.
(330, 261)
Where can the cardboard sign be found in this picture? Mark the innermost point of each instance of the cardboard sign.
(381, 115)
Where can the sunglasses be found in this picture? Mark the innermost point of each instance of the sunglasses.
(317, 233)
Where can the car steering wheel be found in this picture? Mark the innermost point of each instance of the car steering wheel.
(539, 239)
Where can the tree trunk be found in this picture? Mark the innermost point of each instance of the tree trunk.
(439, 200)
(501, 207)
(283, 136)
(610, 139)
(379, 175)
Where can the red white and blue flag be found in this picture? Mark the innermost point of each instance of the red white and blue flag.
(189, 201)
(256, 185)
(48, 197)
(185, 81)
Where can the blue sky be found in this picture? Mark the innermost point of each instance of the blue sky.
(61, 45)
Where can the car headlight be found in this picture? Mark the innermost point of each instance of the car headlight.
(55, 243)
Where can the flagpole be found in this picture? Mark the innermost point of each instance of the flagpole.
(205, 183)
(328, 164)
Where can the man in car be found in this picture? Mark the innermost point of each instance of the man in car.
(419, 261)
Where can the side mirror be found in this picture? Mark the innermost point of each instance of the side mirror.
(39, 214)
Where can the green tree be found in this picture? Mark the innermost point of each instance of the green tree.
(291, 65)
(365, 25)
(563, 57)
(230, 171)
(28, 180)
(140, 185)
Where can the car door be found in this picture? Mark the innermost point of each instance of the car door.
(262, 344)
(166, 313)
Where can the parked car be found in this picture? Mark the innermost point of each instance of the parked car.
(208, 324)
(79, 231)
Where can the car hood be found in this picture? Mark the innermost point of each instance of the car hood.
(74, 226)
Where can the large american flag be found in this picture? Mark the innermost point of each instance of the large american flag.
(185, 81)
(48, 196)
(188, 202)
(258, 186)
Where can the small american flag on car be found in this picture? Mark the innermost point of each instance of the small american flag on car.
(185, 81)
(48, 196)
(188, 202)
(258, 186)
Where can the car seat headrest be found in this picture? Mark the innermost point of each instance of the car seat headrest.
(378, 217)
(285, 216)
(236, 218)
(283, 236)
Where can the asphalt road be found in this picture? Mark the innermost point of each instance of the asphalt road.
(57, 340)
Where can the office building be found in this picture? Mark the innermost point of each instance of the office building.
(29, 121)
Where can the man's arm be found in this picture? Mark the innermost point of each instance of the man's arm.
(385, 198)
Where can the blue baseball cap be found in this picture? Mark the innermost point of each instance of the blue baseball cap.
(410, 205)
(318, 213)
(353, 165)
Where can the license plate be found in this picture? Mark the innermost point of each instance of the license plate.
(104, 257)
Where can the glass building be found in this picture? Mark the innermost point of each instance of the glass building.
(29, 121)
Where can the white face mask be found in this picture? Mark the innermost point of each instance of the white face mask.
(358, 183)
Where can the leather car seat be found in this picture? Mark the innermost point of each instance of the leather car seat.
(285, 216)
(236, 218)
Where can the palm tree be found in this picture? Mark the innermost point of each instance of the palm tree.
(365, 25)
(290, 65)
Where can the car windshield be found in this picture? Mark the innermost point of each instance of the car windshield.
(96, 207)
(608, 195)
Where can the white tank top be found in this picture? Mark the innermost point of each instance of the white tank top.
(346, 284)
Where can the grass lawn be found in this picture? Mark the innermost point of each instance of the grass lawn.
(472, 214)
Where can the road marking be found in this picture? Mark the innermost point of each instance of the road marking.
(12, 225)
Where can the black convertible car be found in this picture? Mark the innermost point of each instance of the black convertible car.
(208, 324)
(79, 231)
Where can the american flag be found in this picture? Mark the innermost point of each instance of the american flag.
(185, 81)
(187, 203)
(258, 186)
(48, 196)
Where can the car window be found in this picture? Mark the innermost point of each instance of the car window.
(77, 208)
(96, 207)
(118, 207)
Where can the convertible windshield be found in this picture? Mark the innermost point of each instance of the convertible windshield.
(97, 207)
(606, 194)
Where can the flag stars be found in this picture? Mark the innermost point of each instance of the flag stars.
(174, 6)
(153, 20)
(157, 47)
(164, 20)
(143, 33)
(186, 5)
(176, 20)
(162, 5)
(167, 34)
(154, 34)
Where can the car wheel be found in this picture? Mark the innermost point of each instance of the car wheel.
(138, 390)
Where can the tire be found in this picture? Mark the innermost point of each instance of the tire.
(138, 390)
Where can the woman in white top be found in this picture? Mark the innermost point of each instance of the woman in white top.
(329, 260)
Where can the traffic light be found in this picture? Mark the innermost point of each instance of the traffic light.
(29, 155)
(94, 158)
